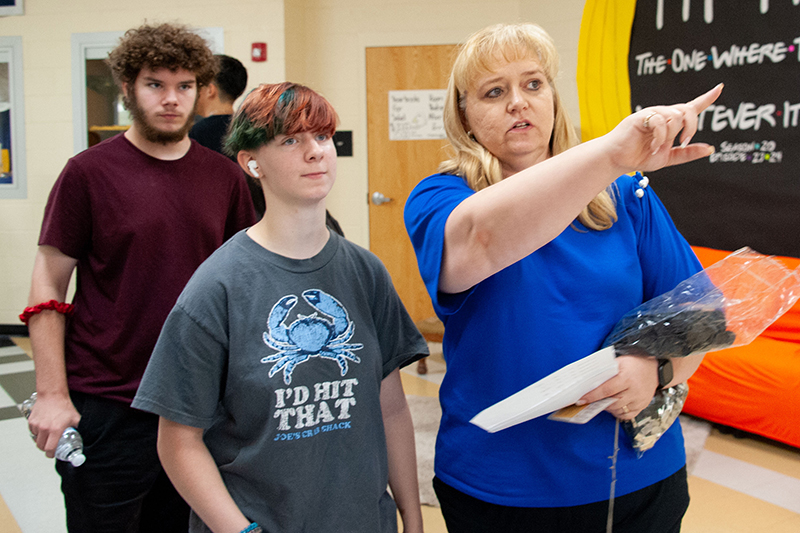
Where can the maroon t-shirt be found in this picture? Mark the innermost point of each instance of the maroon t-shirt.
(139, 227)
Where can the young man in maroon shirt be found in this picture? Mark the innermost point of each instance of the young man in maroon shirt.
(133, 216)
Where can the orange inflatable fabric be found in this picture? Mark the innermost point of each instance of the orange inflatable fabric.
(755, 388)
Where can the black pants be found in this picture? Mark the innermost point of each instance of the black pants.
(658, 508)
(121, 488)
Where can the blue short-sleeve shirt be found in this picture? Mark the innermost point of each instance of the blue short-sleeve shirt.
(549, 309)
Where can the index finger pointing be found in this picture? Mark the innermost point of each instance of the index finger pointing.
(704, 100)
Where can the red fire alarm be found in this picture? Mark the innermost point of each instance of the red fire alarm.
(259, 52)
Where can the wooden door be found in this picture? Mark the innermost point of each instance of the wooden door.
(395, 167)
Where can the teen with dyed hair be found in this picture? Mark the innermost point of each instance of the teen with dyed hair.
(276, 375)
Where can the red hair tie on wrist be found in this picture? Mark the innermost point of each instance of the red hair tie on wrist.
(59, 307)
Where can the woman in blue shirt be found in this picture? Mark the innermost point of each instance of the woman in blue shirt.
(532, 247)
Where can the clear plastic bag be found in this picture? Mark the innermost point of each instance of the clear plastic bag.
(728, 304)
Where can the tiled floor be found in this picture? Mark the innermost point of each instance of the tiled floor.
(30, 499)
(738, 486)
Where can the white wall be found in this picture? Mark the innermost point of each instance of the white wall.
(320, 43)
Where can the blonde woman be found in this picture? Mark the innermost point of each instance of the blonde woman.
(532, 247)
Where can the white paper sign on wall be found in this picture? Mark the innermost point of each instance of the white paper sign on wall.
(416, 115)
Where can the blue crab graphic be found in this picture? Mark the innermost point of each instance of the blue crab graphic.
(309, 336)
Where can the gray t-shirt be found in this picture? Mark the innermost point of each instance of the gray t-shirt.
(281, 362)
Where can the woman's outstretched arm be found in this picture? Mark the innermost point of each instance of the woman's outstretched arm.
(501, 224)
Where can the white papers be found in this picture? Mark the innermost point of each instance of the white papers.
(560, 389)
(416, 115)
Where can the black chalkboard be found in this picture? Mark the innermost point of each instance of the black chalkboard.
(748, 192)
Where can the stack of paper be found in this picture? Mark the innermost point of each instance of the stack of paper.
(560, 389)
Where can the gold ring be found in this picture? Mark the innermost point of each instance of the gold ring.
(625, 409)
(646, 122)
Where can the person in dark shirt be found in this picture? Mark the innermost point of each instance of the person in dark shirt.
(133, 216)
(215, 102)
(215, 105)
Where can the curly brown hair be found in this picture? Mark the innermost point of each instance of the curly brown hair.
(168, 46)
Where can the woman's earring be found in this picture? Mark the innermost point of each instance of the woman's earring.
(471, 136)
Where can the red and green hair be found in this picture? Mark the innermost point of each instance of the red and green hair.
(278, 109)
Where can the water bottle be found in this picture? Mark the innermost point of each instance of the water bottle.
(70, 445)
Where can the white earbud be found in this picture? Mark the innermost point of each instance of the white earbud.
(252, 165)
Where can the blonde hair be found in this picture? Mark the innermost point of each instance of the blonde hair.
(480, 54)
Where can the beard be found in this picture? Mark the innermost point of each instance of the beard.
(150, 132)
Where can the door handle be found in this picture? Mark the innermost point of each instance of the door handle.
(378, 198)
